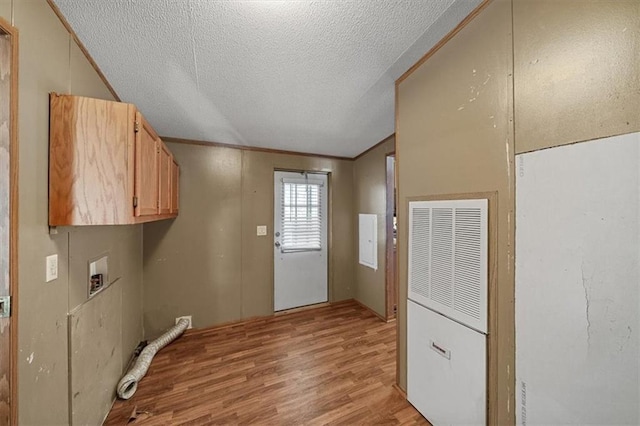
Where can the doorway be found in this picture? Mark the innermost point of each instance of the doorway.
(391, 288)
(8, 222)
(300, 250)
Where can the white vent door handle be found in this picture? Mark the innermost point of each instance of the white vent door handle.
(440, 349)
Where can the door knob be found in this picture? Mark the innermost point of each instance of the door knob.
(277, 243)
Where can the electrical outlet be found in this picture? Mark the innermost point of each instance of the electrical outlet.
(98, 275)
(261, 230)
(52, 267)
(187, 317)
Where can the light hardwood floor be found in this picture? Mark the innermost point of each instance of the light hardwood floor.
(328, 365)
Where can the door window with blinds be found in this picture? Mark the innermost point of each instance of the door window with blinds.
(301, 215)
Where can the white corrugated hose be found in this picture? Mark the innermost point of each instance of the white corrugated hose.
(129, 382)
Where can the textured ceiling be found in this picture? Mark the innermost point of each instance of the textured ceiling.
(310, 76)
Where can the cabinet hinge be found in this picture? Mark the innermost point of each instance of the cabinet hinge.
(136, 126)
(135, 201)
(5, 307)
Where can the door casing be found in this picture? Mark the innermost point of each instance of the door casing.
(391, 287)
(9, 326)
(328, 237)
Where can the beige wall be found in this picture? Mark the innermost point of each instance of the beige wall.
(5, 9)
(208, 262)
(576, 78)
(455, 136)
(577, 70)
(257, 209)
(50, 61)
(370, 196)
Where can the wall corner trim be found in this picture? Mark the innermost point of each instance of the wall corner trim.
(249, 148)
(366, 151)
(475, 12)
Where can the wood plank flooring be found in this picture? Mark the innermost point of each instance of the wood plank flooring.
(329, 365)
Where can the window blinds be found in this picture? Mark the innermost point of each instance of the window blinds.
(301, 215)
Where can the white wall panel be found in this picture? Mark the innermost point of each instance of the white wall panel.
(368, 240)
(577, 283)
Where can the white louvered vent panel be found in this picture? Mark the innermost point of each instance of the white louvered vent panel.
(441, 261)
(467, 261)
(448, 254)
(420, 248)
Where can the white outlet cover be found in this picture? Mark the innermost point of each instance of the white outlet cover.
(52, 267)
(261, 230)
(187, 317)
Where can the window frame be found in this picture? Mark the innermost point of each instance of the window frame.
(316, 222)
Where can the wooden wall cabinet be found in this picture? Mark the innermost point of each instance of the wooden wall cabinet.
(146, 191)
(107, 166)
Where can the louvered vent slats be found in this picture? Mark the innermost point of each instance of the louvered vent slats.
(421, 251)
(448, 252)
(442, 248)
(467, 260)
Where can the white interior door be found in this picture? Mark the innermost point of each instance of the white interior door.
(300, 239)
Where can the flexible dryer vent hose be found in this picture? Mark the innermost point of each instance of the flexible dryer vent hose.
(129, 382)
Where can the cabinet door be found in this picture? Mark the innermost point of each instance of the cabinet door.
(165, 164)
(175, 187)
(89, 161)
(146, 174)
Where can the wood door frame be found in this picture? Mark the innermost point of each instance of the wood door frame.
(7, 29)
(391, 264)
(492, 286)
